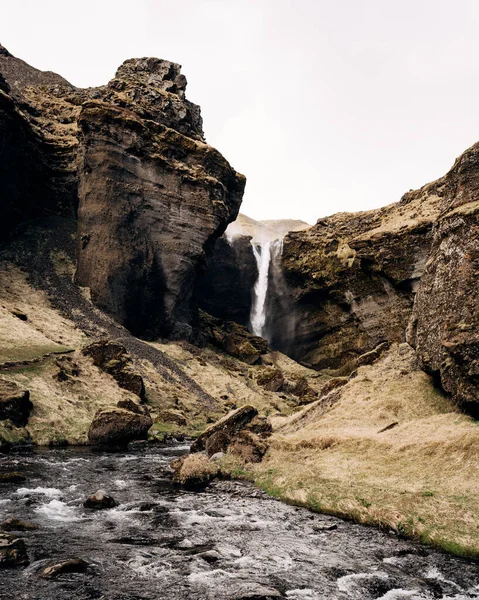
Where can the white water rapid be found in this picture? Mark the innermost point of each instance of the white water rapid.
(263, 252)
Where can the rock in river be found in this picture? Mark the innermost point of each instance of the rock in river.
(100, 500)
(73, 565)
(13, 552)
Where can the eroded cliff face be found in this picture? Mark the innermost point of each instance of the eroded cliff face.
(444, 327)
(354, 277)
(225, 287)
(129, 161)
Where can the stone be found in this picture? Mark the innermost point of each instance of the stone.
(118, 427)
(321, 527)
(231, 425)
(15, 404)
(141, 238)
(217, 456)
(260, 425)
(216, 443)
(13, 552)
(233, 338)
(72, 565)
(113, 358)
(100, 500)
(270, 378)
(248, 446)
(173, 180)
(350, 280)
(133, 407)
(67, 369)
(19, 314)
(13, 524)
(172, 416)
(224, 288)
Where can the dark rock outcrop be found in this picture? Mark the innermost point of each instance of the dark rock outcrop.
(225, 287)
(113, 358)
(354, 277)
(233, 338)
(117, 427)
(129, 161)
(152, 198)
(230, 425)
(445, 324)
(15, 403)
(13, 552)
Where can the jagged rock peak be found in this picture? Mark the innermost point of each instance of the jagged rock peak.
(4, 51)
(160, 73)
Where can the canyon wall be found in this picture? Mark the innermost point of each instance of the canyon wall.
(129, 162)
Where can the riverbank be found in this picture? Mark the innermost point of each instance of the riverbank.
(386, 449)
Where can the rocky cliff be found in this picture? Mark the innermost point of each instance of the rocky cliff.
(444, 328)
(127, 160)
(362, 280)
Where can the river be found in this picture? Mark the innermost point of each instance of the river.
(229, 542)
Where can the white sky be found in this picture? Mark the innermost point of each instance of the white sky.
(325, 106)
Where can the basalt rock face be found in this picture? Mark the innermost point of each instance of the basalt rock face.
(152, 199)
(128, 161)
(354, 277)
(445, 325)
(225, 287)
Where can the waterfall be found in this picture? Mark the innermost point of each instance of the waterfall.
(264, 253)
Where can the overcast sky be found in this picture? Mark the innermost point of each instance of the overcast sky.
(325, 106)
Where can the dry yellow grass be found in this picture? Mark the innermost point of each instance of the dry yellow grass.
(195, 470)
(418, 478)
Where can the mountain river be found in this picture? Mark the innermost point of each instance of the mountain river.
(229, 542)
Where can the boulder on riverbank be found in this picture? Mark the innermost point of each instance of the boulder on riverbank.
(117, 427)
(230, 425)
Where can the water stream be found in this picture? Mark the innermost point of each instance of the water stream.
(264, 252)
(228, 542)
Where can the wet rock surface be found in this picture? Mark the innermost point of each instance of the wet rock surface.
(100, 500)
(13, 552)
(229, 542)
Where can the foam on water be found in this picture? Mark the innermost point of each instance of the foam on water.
(400, 593)
(56, 510)
(146, 565)
(44, 491)
(350, 582)
(304, 594)
(435, 573)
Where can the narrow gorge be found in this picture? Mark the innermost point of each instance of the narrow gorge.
(170, 368)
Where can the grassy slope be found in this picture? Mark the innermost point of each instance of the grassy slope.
(419, 478)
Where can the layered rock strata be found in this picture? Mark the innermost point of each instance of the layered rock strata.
(129, 161)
